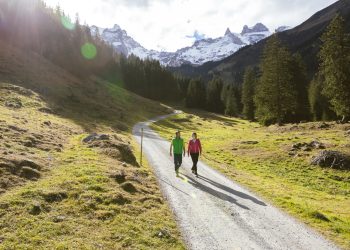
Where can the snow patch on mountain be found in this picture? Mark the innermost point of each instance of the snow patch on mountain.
(202, 51)
(282, 28)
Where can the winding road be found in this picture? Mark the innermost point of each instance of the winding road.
(214, 212)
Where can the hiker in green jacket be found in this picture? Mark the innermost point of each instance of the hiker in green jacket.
(177, 147)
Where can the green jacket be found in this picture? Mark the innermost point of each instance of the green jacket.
(178, 145)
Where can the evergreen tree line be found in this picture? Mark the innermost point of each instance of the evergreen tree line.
(32, 26)
(149, 79)
(214, 96)
(278, 91)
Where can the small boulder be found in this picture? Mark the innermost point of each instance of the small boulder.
(307, 146)
(299, 145)
(331, 159)
(35, 209)
(129, 187)
(15, 128)
(250, 142)
(120, 177)
(30, 173)
(14, 103)
(54, 196)
(29, 163)
(323, 125)
(317, 145)
(59, 218)
(47, 123)
(164, 233)
(46, 110)
(119, 200)
(95, 137)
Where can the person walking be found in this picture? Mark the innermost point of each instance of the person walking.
(195, 150)
(177, 147)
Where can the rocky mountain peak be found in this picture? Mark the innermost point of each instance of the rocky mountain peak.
(116, 27)
(259, 27)
(203, 50)
(282, 28)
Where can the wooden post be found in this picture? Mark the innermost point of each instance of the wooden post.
(141, 146)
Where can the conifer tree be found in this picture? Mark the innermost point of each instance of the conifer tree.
(248, 88)
(319, 105)
(213, 95)
(231, 107)
(196, 94)
(276, 95)
(335, 66)
(298, 69)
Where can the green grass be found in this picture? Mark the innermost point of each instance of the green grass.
(78, 203)
(91, 204)
(317, 196)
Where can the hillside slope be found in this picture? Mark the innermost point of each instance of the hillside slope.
(56, 190)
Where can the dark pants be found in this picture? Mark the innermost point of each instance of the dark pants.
(177, 161)
(194, 157)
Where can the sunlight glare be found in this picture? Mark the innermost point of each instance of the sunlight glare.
(184, 179)
(67, 23)
(89, 51)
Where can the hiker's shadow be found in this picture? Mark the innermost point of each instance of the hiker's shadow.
(214, 192)
(232, 191)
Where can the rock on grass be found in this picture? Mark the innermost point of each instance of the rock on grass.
(14, 103)
(119, 177)
(113, 147)
(35, 209)
(129, 187)
(30, 173)
(54, 196)
(319, 216)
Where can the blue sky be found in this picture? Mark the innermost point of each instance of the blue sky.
(173, 24)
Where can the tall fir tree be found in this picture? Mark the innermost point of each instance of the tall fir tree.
(248, 90)
(213, 95)
(231, 106)
(335, 66)
(196, 94)
(319, 104)
(276, 96)
(300, 81)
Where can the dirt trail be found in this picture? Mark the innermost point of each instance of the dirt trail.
(214, 212)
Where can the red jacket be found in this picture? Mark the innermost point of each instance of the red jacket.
(194, 146)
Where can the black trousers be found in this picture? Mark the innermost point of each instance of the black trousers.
(177, 161)
(194, 157)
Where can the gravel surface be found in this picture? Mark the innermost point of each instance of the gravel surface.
(214, 212)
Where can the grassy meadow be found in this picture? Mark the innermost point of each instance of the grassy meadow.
(260, 158)
(78, 195)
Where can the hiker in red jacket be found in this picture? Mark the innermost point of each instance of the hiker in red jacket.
(195, 150)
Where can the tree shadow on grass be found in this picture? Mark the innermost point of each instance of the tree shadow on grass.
(213, 117)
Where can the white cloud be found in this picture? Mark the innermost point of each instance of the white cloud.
(169, 24)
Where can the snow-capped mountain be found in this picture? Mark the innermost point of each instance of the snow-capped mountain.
(201, 51)
(282, 28)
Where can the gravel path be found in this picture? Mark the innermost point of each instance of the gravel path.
(214, 212)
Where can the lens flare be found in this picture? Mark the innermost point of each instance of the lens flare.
(89, 51)
(67, 23)
(183, 178)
